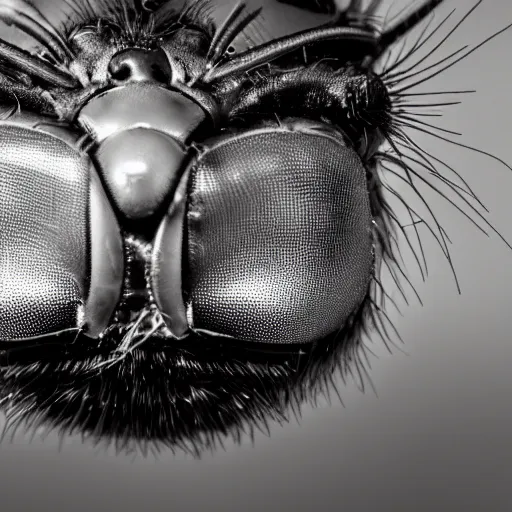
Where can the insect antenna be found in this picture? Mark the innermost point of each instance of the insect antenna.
(344, 27)
(257, 32)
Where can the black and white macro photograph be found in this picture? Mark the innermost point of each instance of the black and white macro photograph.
(254, 255)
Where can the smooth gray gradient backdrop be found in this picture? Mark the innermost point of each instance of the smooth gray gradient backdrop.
(439, 435)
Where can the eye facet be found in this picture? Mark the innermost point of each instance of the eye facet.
(58, 236)
(278, 238)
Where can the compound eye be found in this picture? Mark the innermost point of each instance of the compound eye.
(277, 239)
(61, 254)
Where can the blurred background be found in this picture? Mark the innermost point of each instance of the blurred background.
(438, 435)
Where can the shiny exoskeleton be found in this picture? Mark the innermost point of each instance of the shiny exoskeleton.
(142, 202)
(192, 233)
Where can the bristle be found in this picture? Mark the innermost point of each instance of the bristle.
(127, 15)
(410, 163)
(175, 400)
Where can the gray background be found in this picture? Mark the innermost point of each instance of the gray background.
(437, 438)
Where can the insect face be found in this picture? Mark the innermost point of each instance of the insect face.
(198, 233)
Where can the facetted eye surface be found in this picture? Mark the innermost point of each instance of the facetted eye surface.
(278, 244)
(48, 207)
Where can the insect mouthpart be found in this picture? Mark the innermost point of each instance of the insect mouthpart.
(138, 320)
